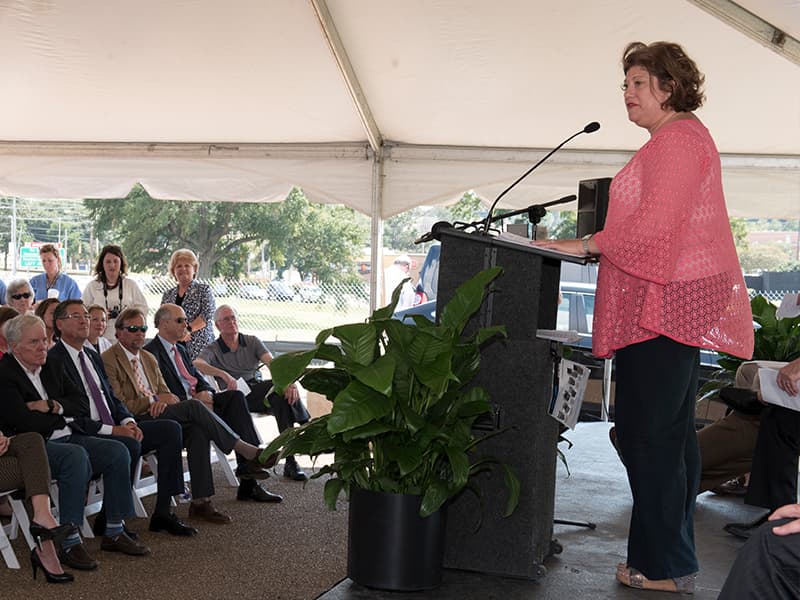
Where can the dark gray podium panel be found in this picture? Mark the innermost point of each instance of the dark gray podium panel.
(518, 373)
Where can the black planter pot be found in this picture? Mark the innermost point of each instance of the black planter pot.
(390, 547)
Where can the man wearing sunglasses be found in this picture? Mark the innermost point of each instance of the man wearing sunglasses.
(186, 382)
(137, 381)
(98, 412)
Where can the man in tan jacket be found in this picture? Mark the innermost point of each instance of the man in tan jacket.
(136, 380)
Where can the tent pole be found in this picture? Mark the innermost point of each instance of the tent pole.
(376, 233)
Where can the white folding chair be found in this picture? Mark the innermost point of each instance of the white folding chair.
(6, 535)
(228, 469)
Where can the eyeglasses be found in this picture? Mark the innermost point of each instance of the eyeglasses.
(25, 295)
(135, 328)
(79, 316)
(179, 319)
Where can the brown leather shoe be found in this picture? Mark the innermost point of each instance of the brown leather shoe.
(252, 469)
(207, 512)
(76, 557)
(122, 543)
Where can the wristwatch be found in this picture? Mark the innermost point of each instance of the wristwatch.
(51, 406)
(585, 244)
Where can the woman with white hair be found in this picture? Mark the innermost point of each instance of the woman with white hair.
(196, 299)
(19, 296)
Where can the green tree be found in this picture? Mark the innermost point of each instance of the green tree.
(222, 234)
(739, 231)
(567, 226)
(469, 208)
(400, 231)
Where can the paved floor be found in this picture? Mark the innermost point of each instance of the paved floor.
(596, 490)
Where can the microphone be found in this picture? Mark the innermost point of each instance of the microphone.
(535, 212)
(589, 128)
(433, 234)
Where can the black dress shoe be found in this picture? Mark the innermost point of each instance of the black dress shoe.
(122, 543)
(291, 470)
(745, 530)
(256, 493)
(171, 524)
(76, 557)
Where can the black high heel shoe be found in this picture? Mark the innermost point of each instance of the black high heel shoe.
(41, 533)
(36, 562)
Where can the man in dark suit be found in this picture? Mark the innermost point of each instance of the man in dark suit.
(35, 392)
(136, 380)
(98, 412)
(186, 382)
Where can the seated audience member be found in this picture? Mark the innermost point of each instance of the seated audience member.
(100, 413)
(773, 475)
(34, 394)
(768, 565)
(98, 322)
(44, 310)
(53, 283)
(137, 381)
(6, 314)
(23, 465)
(111, 288)
(235, 355)
(2, 292)
(19, 296)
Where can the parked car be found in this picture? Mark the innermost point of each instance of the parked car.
(308, 292)
(253, 291)
(280, 290)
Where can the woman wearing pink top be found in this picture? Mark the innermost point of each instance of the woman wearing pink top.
(669, 283)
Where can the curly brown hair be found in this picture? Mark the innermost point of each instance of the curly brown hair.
(677, 74)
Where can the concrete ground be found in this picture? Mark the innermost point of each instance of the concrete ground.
(597, 491)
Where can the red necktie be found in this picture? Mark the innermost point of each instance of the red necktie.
(190, 379)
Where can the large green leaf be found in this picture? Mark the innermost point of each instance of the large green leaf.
(378, 375)
(436, 373)
(357, 405)
(425, 348)
(328, 382)
(435, 495)
(359, 341)
(467, 300)
(287, 368)
(332, 489)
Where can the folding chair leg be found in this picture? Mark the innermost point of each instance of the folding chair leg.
(227, 469)
(7, 551)
(20, 520)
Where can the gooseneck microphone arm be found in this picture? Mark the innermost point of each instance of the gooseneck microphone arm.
(589, 128)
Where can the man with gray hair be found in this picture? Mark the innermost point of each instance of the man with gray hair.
(234, 356)
(35, 392)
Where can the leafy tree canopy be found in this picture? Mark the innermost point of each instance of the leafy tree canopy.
(222, 234)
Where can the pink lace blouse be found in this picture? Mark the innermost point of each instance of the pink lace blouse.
(668, 264)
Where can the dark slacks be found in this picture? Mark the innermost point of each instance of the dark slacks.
(231, 407)
(200, 427)
(165, 438)
(24, 465)
(773, 477)
(767, 567)
(106, 457)
(285, 414)
(655, 400)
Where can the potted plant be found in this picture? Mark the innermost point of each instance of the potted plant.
(400, 430)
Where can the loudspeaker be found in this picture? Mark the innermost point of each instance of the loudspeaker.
(592, 205)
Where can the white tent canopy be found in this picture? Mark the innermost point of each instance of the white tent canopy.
(198, 99)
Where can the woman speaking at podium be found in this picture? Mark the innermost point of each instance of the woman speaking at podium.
(669, 283)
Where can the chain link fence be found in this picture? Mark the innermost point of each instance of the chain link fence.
(278, 311)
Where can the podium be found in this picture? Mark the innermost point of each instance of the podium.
(518, 374)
